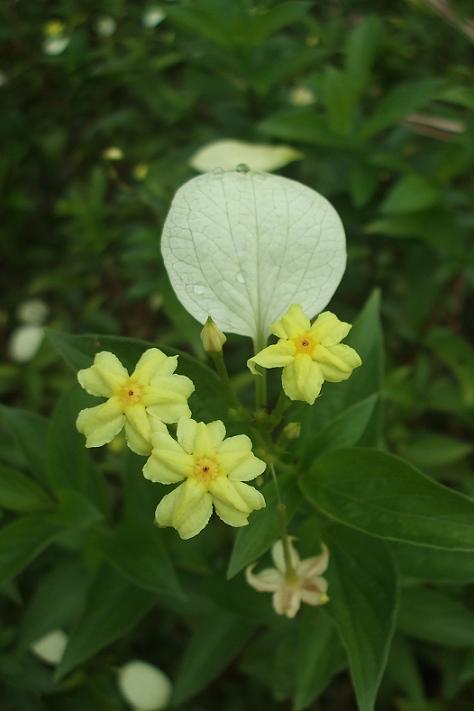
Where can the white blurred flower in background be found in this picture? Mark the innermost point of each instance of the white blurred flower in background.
(144, 686)
(105, 26)
(26, 339)
(55, 39)
(50, 648)
(153, 16)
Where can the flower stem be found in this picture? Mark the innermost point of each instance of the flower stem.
(281, 508)
(282, 405)
(222, 372)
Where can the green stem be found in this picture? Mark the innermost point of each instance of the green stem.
(222, 372)
(282, 405)
(281, 508)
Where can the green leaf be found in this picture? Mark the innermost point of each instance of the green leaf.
(138, 552)
(263, 529)
(410, 194)
(387, 497)
(402, 669)
(300, 126)
(30, 432)
(433, 616)
(366, 338)
(23, 540)
(69, 462)
(319, 656)
(213, 645)
(344, 430)
(361, 49)
(363, 595)
(19, 492)
(399, 102)
(66, 584)
(433, 564)
(78, 352)
(458, 355)
(339, 98)
(113, 608)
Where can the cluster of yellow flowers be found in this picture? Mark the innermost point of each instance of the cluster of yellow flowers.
(210, 469)
(213, 469)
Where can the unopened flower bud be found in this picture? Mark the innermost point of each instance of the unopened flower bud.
(212, 337)
(292, 430)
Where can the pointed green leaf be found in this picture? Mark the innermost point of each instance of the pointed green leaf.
(19, 492)
(363, 593)
(387, 497)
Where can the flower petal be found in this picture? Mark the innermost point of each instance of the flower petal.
(286, 601)
(150, 364)
(329, 330)
(267, 580)
(302, 380)
(138, 429)
(186, 433)
(135, 441)
(230, 515)
(292, 323)
(188, 509)
(248, 469)
(316, 565)
(225, 491)
(104, 376)
(253, 498)
(278, 555)
(169, 389)
(276, 356)
(314, 591)
(208, 437)
(167, 467)
(336, 362)
(233, 451)
(102, 423)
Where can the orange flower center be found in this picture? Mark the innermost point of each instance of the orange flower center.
(304, 344)
(205, 469)
(131, 393)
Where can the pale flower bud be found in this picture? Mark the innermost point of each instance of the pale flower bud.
(292, 430)
(212, 337)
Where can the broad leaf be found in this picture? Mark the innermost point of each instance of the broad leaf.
(319, 656)
(387, 497)
(213, 645)
(139, 553)
(30, 432)
(243, 246)
(19, 492)
(79, 351)
(433, 616)
(433, 564)
(363, 595)
(23, 540)
(113, 608)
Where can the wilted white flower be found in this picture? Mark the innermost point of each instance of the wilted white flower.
(50, 648)
(153, 16)
(105, 26)
(303, 583)
(32, 311)
(143, 686)
(24, 342)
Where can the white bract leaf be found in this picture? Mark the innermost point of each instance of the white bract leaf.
(227, 154)
(242, 247)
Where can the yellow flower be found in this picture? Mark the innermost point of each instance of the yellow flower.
(135, 401)
(302, 584)
(213, 471)
(309, 354)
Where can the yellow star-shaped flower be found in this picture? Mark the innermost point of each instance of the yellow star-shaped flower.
(309, 354)
(134, 401)
(213, 471)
